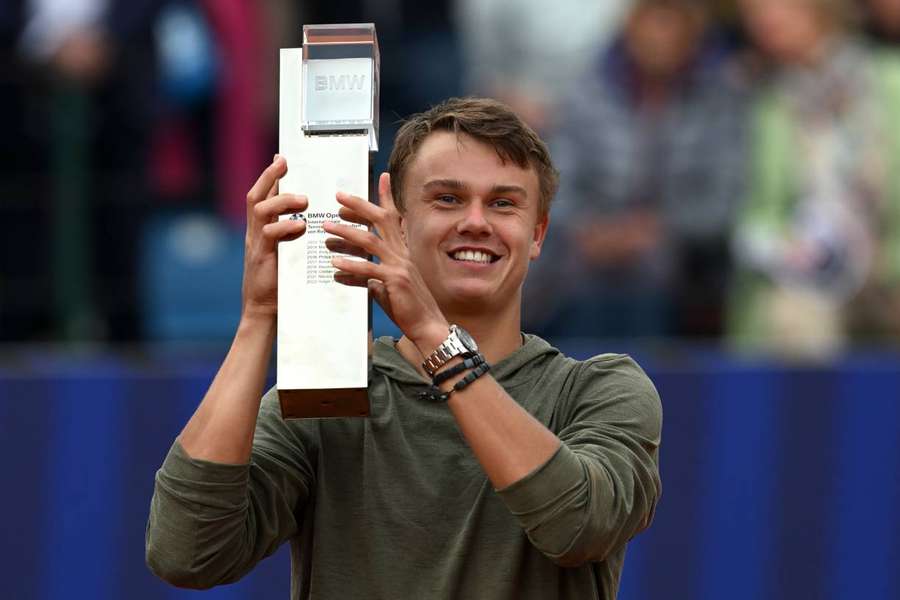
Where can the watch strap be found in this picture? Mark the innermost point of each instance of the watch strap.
(469, 363)
(449, 348)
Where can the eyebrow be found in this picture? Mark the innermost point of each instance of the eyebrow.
(456, 184)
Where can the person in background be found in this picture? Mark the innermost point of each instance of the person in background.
(882, 20)
(97, 61)
(651, 155)
(529, 57)
(818, 240)
(24, 288)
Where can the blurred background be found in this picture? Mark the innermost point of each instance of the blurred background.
(729, 213)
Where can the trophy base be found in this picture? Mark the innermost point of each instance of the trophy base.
(321, 404)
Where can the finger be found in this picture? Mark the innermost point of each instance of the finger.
(386, 222)
(345, 278)
(273, 190)
(385, 194)
(378, 291)
(350, 215)
(282, 231)
(343, 247)
(361, 238)
(267, 183)
(386, 201)
(359, 268)
(361, 209)
(268, 210)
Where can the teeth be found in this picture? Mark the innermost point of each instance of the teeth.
(472, 255)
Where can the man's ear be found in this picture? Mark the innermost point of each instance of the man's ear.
(540, 234)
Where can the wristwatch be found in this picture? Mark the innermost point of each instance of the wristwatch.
(458, 343)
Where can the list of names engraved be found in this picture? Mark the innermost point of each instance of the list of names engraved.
(319, 269)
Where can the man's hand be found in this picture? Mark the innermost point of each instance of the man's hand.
(264, 231)
(395, 282)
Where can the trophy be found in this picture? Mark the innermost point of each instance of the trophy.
(328, 130)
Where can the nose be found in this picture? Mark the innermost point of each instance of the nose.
(474, 221)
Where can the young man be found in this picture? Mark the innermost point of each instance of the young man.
(525, 482)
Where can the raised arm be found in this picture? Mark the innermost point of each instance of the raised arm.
(221, 429)
(217, 508)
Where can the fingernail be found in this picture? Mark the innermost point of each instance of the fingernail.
(275, 158)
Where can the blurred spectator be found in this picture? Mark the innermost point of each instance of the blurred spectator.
(882, 20)
(818, 243)
(97, 66)
(24, 287)
(181, 151)
(243, 131)
(219, 65)
(527, 54)
(651, 158)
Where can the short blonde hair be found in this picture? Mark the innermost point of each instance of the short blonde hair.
(486, 120)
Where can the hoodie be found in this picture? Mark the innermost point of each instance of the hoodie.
(396, 505)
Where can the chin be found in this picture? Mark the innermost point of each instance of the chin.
(476, 299)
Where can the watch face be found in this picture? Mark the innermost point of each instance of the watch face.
(467, 340)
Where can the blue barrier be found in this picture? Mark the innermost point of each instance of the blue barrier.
(777, 482)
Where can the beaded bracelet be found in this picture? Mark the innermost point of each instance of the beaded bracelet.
(470, 363)
(435, 394)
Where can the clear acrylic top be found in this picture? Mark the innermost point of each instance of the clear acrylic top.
(340, 80)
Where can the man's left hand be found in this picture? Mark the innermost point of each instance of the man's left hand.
(394, 282)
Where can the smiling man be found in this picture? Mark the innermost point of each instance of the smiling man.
(492, 465)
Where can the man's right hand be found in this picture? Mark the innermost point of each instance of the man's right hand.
(264, 205)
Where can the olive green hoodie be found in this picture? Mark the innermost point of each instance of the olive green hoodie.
(397, 506)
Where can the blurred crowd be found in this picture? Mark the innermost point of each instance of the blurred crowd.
(730, 170)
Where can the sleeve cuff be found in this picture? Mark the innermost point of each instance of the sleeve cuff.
(543, 486)
(180, 466)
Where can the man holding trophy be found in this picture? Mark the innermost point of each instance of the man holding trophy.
(489, 465)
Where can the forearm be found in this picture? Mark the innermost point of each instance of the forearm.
(221, 429)
(507, 441)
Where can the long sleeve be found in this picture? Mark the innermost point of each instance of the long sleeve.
(211, 523)
(601, 487)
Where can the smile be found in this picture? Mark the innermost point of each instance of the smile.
(477, 256)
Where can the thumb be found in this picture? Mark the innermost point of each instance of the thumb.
(379, 293)
(393, 232)
(385, 194)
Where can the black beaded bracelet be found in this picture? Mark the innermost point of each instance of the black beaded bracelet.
(435, 394)
(470, 363)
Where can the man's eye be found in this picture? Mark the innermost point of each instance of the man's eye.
(447, 199)
(503, 203)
